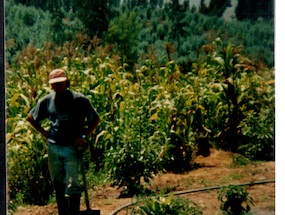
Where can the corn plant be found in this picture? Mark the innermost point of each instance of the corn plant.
(243, 91)
(28, 170)
(182, 102)
(138, 143)
(28, 177)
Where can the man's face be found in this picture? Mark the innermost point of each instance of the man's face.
(59, 87)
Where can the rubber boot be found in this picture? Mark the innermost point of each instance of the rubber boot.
(74, 204)
(62, 202)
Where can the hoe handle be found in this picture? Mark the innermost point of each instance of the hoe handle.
(85, 186)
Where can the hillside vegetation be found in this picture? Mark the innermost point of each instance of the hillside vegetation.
(137, 31)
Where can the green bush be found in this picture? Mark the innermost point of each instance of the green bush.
(234, 200)
(166, 206)
(257, 126)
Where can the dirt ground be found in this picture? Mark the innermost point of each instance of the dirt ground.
(215, 170)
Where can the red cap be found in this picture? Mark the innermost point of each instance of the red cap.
(57, 75)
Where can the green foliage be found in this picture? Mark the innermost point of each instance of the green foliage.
(259, 134)
(123, 33)
(88, 12)
(94, 177)
(95, 15)
(234, 200)
(28, 171)
(25, 25)
(241, 83)
(240, 160)
(140, 126)
(216, 7)
(28, 177)
(130, 35)
(254, 10)
(139, 147)
(28, 25)
(189, 31)
(257, 126)
(153, 117)
(157, 114)
(12, 207)
(166, 205)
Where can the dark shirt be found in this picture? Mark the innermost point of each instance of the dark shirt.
(68, 113)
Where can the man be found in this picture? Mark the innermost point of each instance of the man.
(72, 120)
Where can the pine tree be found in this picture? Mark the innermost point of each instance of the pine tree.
(123, 33)
(216, 7)
(94, 14)
(252, 9)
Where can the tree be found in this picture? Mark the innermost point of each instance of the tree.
(155, 3)
(255, 9)
(176, 13)
(216, 7)
(136, 3)
(114, 3)
(123, 33)
(94, 14)
(25, 25)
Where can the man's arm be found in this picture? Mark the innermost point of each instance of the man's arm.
(37, 126)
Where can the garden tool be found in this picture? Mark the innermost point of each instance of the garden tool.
(88, 211)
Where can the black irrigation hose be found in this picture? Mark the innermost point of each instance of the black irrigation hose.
(196, 190)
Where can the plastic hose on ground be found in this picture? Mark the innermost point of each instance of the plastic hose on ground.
(195, 190)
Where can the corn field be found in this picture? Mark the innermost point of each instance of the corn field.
(153, 118)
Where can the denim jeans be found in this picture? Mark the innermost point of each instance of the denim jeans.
(63, 165)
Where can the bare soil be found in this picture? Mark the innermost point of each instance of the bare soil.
(215, 170)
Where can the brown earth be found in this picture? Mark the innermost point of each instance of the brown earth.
(215, 170)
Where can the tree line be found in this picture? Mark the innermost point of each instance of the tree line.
(134, 31)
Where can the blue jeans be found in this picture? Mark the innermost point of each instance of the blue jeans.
(63, 165)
